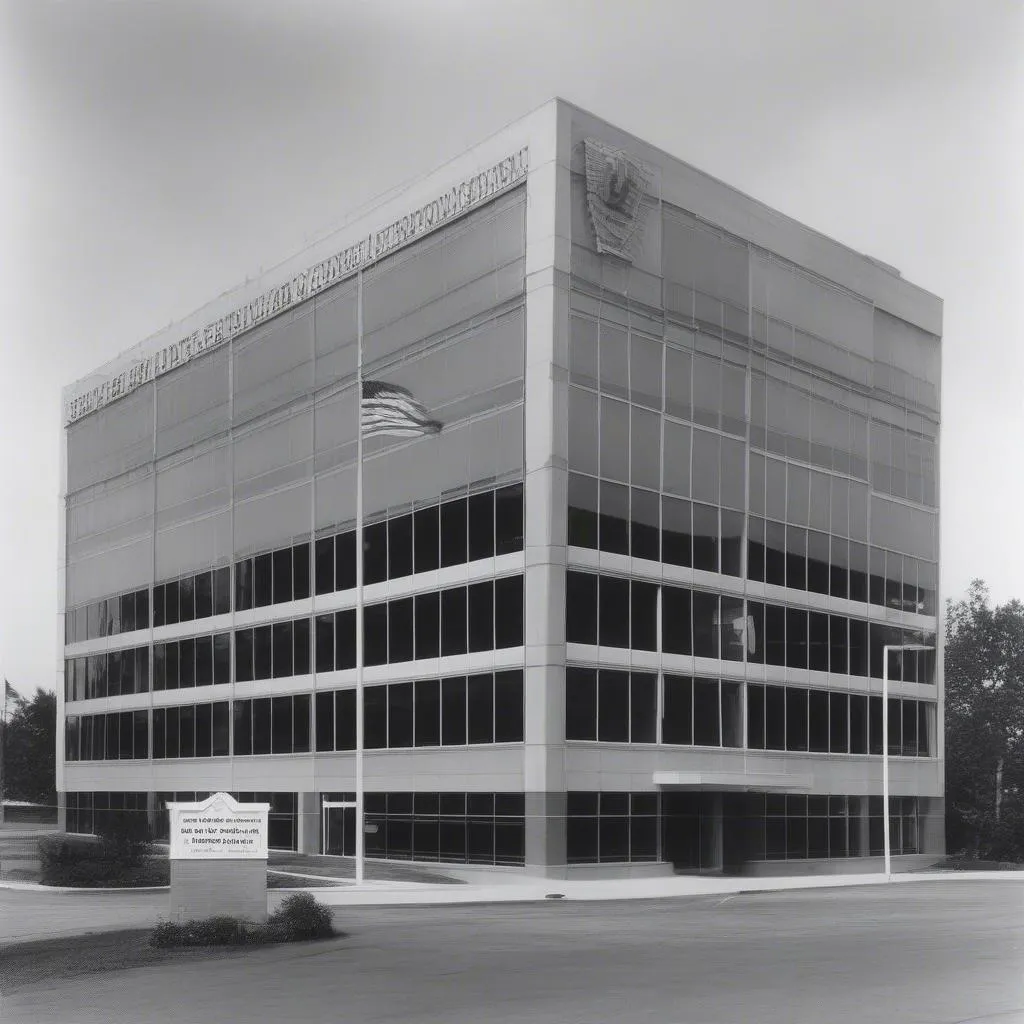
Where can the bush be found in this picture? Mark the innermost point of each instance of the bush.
(300, 918)
(125, 836)
(82, 861)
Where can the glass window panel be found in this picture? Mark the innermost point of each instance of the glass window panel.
(706, 724)
(796, 558)
(263, 573)
(677, 713)
(755, 716)
(345, 720)
(171, 603)
(262, 665)
(583, 351)
(325, 565)
(375, 634)
(583, 431)
(677, 632)
(426, 538)
(580, 703)
(399, 546)
(300, 572)
(775, 553)
(375, 717)
(481, 616)
(678, 375)
(508, 612)
(581, 608)
(428, 712)
(172, 743)
(282, 649)
(817, 562)
(644, 616)
(480, 699)
(676, 461)
(400, 630)
(481, 525)
(453, 711)
(324, 721)
(508, 519)
(614, 359)
(282, 573)
(706, 466)
(732, 542)
(453, 621)
(613, 612)
(300, 723)
(243, 726)
(755, 549)
(345, 561)
(705, 537)
(614, 441)
(428, 625)
(643, 708)
(796, 638)
(645, 448)
(400, 715)
(818, 651)
(582, 527)
(839, 716)
(172, 657)
(775, 718)
(677, 531)
(203, 595)
(818, 721)
(732, 628)
(796, 719)
(453, 532)
(732, 714)
(375, 553)
(705, 623)
(613, 706)
(324, 639)
(645, 371)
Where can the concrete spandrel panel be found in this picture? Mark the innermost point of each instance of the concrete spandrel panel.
(218, 828)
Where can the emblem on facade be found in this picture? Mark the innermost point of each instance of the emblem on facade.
(616, 184)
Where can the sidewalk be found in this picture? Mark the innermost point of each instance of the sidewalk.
(29, 911)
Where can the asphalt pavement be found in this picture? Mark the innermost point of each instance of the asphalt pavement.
(947, 951)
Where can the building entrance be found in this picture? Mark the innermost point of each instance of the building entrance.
(339, 828)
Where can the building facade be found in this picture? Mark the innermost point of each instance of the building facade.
(624, 612)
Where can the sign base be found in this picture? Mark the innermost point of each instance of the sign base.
(215, 888)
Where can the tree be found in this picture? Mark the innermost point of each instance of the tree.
(30, 749)
(984, 671)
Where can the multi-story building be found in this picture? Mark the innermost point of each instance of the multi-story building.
(624, 610)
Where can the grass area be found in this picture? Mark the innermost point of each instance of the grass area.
(28, 963)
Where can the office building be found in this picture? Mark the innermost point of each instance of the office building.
(668, 488)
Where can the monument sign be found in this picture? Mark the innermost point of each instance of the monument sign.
(218, 858)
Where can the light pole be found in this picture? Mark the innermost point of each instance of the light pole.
(886, 650)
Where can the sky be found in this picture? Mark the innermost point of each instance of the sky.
(156, 154)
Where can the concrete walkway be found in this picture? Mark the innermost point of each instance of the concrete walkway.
(30, 911)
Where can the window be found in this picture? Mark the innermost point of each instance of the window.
(580, 703)
(426, 533)
(375, 553)
(399, 546)
(375, 634)
(427, 609)
(400, 630)
(453, 532)
(581, 608)
(481, 525)
(453, 621)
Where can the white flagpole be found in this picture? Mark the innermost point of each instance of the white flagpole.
(360, 825)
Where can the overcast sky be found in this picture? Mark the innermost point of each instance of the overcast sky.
(155, 154)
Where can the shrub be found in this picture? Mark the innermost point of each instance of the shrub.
(124, 835)
(82, 861)
(300, 917)
(213, 931)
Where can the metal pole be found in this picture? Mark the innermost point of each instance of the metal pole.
(360, 825)
(885, 759)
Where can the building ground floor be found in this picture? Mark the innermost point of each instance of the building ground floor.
(608, 833)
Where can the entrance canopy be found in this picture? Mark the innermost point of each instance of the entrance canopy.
(737, 782)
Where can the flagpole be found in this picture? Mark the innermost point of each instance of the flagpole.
(360, 825)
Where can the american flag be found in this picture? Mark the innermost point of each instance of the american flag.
(391, 410)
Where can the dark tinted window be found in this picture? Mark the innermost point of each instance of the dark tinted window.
(453, 711)
(508, 519)
(426, 538)
(300, 571)
(345, 639)
(453, 532)
(481, 616)
(400, 546)
(508, 706)
(263, 574)
(400, 714)
(581, 608)
(325, 565)
(428, 713)
(345, 561)
(400, 630)
(613, 612)
(375, 716)
(262, 666)
(581, 704)
(428, 625)
(613, 706)
(481, 525)
(481, 708)
(375, 634)
(282, 648)
(204, 595)
(375, 553)
(453, 621)
(508, 612)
